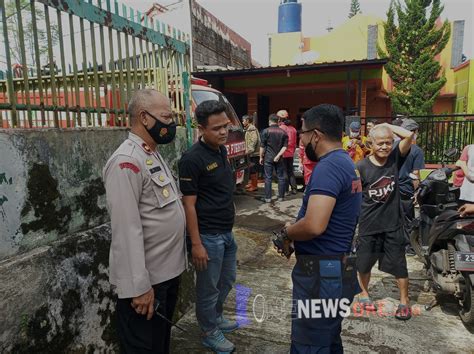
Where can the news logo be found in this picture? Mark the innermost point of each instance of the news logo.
(251, 308)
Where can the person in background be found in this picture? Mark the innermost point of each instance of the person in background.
(370, 125)
(466, 210)
(288, 156)
(381, 233)
(252, 142)
(273, 146)
(355, 143)
(409, 179)
(306, 165)
(147, 252)
(466, 162)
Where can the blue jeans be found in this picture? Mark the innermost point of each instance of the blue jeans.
(280, 172)
(215, 282)
(324, 279)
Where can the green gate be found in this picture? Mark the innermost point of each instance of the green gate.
(75, 63)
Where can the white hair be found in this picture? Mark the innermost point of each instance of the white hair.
(379, 130)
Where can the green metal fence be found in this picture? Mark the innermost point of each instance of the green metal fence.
(75, 63)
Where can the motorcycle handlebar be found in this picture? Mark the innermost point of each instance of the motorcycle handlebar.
(423, 189)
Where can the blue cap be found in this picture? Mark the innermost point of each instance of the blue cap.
(354, 126)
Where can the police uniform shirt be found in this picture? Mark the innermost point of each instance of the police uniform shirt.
(147, 218)
(206, 173)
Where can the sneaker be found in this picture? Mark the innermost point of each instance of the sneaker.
(265, 200)
(280, 199)
(225, 325)
(217, 342)
(293, 191)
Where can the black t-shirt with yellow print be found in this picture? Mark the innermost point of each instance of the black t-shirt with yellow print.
(207, 174)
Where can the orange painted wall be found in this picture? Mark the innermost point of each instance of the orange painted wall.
(296, 101)
(443, 105)
(376, 106)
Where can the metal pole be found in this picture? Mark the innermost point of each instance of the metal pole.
(10, 92)
(21, 39)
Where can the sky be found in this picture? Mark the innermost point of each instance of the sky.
(255, 19)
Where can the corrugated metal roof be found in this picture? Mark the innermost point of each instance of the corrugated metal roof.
(304, 67)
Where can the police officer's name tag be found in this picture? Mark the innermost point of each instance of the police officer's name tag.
(155, 169)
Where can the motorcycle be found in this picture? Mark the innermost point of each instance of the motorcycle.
(444, 241)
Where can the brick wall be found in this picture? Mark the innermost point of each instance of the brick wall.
(216, 44)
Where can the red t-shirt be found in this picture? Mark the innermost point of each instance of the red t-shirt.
(459, 174)
(291, 132)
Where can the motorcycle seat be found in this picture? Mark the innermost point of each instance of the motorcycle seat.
(448, 215)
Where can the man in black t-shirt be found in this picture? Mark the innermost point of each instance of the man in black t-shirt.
(207, 183)
(381, 222)
(273, 144)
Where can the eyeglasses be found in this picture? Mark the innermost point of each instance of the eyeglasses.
(310, 130)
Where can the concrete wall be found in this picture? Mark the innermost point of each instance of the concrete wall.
(50, 183)
(216, 44)
(54, 290)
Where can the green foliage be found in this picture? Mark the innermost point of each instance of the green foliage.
(27, 26)
(412, 46)
(355, 8)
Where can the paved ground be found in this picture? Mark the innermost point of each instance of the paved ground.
(265, 278)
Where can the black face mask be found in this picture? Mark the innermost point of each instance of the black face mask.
(310, 152)
(162, 133)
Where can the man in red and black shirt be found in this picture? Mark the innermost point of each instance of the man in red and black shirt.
(274, 142)
(285, 124)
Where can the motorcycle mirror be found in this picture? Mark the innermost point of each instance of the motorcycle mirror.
(451, 152)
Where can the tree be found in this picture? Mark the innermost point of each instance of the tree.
(355, 8)
(411, 48)
(28, 33)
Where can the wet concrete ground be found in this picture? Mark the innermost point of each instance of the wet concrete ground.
(263, 277)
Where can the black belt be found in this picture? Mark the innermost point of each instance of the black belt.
(310, 263)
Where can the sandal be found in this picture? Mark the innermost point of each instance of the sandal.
(367, 304)
(403, 312)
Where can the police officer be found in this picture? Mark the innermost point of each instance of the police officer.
(147, 253)
(322, 235)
